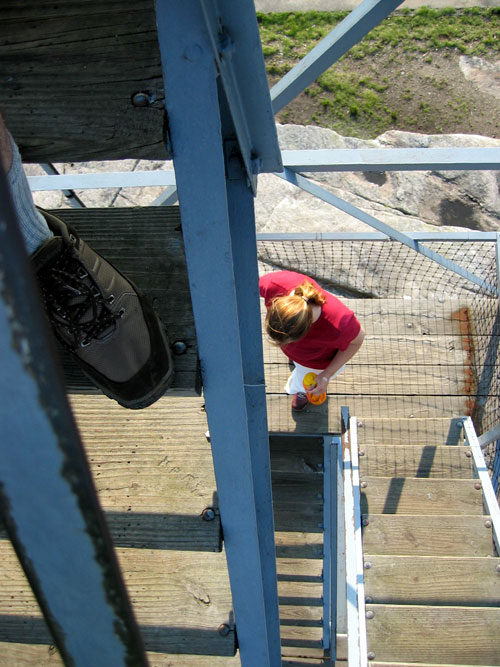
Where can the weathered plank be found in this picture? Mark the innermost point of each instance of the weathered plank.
(456, 635)
(146, 245)
(426, 461)
(69, 74)
(298, 545)
(380, 349)
(388, 535)
(301, 614)
(299, 569)
(401, 431)
(179, 601)
(295, 593)
(153, 471)
(424, 580)
(413, 379)
(400, 495)
(326, 418)
(299, 637)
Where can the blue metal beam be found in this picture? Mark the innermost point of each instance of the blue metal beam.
(350, 31)
(392, 159)
(47, 499)
(168, 197)
(218, 227)
(396, 235)
(234, 36)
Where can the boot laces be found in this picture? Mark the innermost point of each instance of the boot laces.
(75, 305)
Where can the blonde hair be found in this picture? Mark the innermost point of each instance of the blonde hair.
(289, 317)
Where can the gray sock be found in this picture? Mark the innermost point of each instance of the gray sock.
(33, 226)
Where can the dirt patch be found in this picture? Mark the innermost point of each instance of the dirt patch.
(416, 92)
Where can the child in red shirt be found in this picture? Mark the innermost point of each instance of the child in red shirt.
(312, 327)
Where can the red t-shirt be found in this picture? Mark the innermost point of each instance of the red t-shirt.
(334, 330)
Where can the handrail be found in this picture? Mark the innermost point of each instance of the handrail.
(489, 498)
(489, 437)
(356, 619)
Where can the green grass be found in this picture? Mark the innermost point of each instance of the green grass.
(473, 31)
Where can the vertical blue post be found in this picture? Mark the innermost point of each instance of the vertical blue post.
(219, 237)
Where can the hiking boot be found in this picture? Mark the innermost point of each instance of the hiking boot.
(102, 319)
(299, 401)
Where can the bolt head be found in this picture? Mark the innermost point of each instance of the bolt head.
(368, 599)
(487, 524)
(179, 347)
(368, 565)
(371, 655)
(364, 485)
(477, 486)
(141, 99)
(498, 569)
(208, 514)
(224, 629)
(361, 452)
(370, 614)
(366, 522)
(468, 454)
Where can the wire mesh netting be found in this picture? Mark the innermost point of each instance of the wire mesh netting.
(431, 349)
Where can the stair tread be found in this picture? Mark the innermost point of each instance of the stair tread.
(416, 461)
(449, 634)
(406, 495)
(472, 582)
(438, 535)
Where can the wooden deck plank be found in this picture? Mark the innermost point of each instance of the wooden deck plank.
(379, 349)
(299, 569)
(383, 380)
(401, 535)
(424, 580)
(455, 635)
(421, 461)
(400, 495)
(296, 454)
(51, 84)
(415, 431)
(326, 418)
(179, 602)
(146, 245)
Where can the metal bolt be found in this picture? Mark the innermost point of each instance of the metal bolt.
(412, 416)
(224, 629)
(370, 614)
(371, 655)
(360, 424)
(498, 569)
(409, 325)
(141, 99)
(468, 454)
(208, 514)
(364, 485)
(179, 347)
(477, 486)
(487, 524)
(366, 522)
(362, 452)
(368, 599)
(460, 424)
(368, 565)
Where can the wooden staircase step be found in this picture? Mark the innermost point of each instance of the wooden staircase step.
(426, 580)
(146, 245)
(301, 637)
(402, 535)
(295, 453)
(179, 601)
(420, 461)
(450, 635)
(326, 418)
(410, 431)
(400, 495)
(299, 569)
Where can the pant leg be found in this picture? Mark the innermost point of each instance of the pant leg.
(33, 226)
